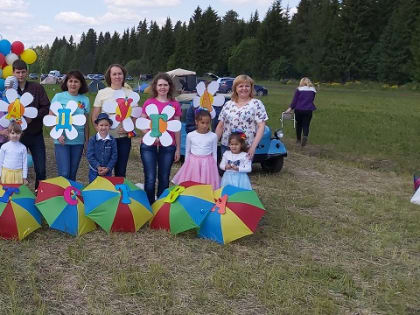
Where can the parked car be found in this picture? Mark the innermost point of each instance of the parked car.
(43, 76)
(226, 87)
(260, 90)
(217, 78)
(90, 76)
(55, 73)
(98, 77)
(33, 76)
(129, 78)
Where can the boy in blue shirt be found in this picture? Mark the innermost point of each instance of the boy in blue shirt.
(102, 149)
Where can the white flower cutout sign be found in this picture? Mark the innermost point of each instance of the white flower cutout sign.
(206, 98)
(17, 108)
(63, 120)
(158, 125)
(122, 108)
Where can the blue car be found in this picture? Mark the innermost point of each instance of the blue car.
(226, 87)
(270, 152)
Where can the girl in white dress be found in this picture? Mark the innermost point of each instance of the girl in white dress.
(13, 158)
(236, 162)
(200, 154)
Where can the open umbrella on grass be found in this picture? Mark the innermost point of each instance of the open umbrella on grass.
(183, 207)
(61, 204)
(235, 214)
(18, 215)
(116, 204)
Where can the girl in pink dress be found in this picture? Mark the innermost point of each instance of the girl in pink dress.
(200, 154)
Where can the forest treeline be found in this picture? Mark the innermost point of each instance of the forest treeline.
(328, 40)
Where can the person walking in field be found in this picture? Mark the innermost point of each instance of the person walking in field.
(303, 106)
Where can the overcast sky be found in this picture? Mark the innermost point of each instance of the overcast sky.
(36, 22)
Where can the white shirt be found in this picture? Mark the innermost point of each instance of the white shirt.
(98, 137)
(201, 144)
(241, 160)
(14, 156)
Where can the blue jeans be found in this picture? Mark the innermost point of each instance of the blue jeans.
(36, 144)
(68, 158)
(159, 156)
(123, 149)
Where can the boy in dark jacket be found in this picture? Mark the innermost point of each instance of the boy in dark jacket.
(102, 149)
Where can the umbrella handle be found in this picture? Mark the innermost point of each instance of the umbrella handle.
(174, 193)
(220, 205)
(124, 192)
(69, 197)
(8, 191)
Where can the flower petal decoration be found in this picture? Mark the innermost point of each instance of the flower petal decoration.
(121, 108)
(206, 98)
(17, 108)
(63, 120)
(158, 125)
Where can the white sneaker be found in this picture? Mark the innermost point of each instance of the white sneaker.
(140, 185)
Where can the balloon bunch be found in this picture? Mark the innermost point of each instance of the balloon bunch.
(9, 52)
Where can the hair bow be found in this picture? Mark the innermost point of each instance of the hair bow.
(239, 132)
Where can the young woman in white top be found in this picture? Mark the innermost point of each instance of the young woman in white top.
(200, 154)
(236, 162)
(13, 158)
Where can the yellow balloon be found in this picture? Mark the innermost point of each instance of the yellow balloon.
(29, 56)
(7, 71)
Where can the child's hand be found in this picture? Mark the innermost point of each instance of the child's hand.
(228, 166)
(234, 167)
(61, 139)
(103, 170)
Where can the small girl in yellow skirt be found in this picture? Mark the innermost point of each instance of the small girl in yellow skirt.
(13, 157)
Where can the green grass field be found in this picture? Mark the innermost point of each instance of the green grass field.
(339, 237)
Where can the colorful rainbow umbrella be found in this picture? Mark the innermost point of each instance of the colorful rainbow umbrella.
(183, 207)
(18, 215)
(416, 178)
(235, 214)
(116, 204)
(61, 204)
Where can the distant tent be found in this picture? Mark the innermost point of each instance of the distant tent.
(141, 87)
(96, 85)
(49, 80)
(184, 80)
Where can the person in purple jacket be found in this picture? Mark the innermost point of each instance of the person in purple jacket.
(303, 105)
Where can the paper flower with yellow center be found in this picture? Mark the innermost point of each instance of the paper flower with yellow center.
(63, 120)
(121, 108)
(158, 125)
(206, 98)
(17, 108)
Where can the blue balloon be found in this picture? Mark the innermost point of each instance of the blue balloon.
(5, 47)
(1, 85)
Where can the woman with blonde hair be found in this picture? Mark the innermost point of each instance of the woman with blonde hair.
(243, 112)
(303, 106)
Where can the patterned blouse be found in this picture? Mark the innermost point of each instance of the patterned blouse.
(245, 118)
